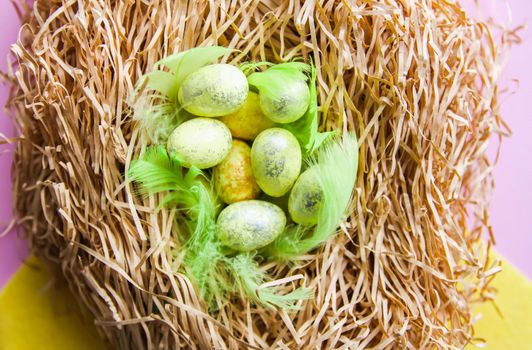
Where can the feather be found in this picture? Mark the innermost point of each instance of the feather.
(250, 67)
(186, 190)
(205, 263)
(249, 278)
(336, 165)
(184, 63)
(156, 172)
(305, 129)
(277, 77)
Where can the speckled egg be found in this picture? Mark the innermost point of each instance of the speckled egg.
(306, 199)
(214, 90)
(248, 121)
(288, 105)
(200, 142)
(276, 161)
(250, 225)
(234, 178)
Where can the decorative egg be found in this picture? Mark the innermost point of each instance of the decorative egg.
(200, 142)
(276, 161)
(288, 105)
(233, 177)
(214, 90)
(250, 225)
(248, 121)
(306, 198)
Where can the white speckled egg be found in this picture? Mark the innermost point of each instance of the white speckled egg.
(200, 142)
(214, 90)
(276, 161)
(306, 198)
(289, 104)
(250, 225)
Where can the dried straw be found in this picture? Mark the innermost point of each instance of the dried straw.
(415, 79)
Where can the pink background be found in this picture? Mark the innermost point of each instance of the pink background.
(12, 251)
(511, 209)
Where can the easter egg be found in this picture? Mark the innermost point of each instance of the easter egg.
(287, 105)
(250, 225)
(276, 161)
(248, 121)
(200, 142)
(306, 198)
(214, 90)
(233, 177)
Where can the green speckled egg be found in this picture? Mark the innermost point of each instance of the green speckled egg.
(201, 142)
(276, 161)
(234, 178)
(250, 225)
(289, 104)
(248, 121)
(306, 199)
(214, 90)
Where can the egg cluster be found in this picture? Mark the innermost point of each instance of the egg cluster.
(237, 130)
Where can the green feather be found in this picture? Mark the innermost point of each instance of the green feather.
(157, 172)
(249, 278)
(186, 62)
(162, 82)
(205, 263)
(305, 129)
(277, 77)
(336, 167)
(250, 67)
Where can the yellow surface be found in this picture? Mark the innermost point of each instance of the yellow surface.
(33, 317)
(37, 317)
(512, 330)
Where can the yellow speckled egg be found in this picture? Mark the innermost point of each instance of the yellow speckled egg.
(200, 142)
(249, 120)
(306, 198)
(214, 90)
(250, 225)
(233, 177)
(276, 161)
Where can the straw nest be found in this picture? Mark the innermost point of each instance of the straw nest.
(416, 80)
